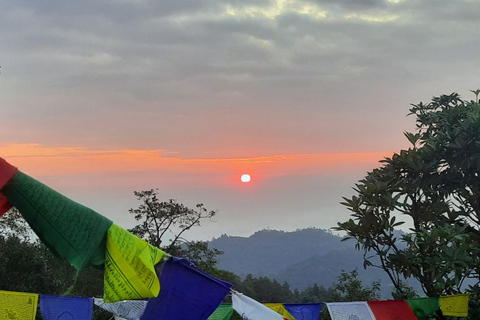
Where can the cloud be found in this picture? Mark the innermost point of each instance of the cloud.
(352, 4)
(147, 74)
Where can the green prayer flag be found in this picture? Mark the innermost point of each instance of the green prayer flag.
(66, 227)
(423, 307)
(223, 312)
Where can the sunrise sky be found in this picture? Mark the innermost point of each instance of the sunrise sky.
(102, 98)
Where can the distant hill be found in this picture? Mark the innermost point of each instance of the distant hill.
(300, 258)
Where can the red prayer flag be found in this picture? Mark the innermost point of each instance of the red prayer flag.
(392, 310)
(4, 205)
(7, 171)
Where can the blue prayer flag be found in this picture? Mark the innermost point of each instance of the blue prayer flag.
(304, 311)
(186, 293)
(65, 308)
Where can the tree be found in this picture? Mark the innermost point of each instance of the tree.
(12, 224)
(350, 288)
(435, 186)
(164, 223)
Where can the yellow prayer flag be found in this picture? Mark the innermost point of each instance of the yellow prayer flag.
(279, 308)
(18, 305)
(455, 306)
(129, 267)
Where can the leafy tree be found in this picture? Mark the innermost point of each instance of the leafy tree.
(265, 290)
(350, 288)
(12, 224)
(476, 92)
(200, 254)
(434, 185)
(314, 293)
(163, 224)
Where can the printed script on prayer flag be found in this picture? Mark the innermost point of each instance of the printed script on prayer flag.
(455, 306)
(350, 310)
(67, 228)
(130, 267)
(18, 305)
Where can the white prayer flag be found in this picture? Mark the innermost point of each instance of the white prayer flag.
(250, 309)
(127, 309)
(350, 311)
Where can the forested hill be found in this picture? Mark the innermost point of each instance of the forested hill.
(301, 258)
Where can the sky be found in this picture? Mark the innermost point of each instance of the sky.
(99, 99)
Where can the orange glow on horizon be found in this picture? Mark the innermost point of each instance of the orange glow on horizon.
(128, 164)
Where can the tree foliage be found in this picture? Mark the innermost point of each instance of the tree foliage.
(160, 219)
(265, 290)
(163, 224)
(350, 288)
(434, 185)
(13, 225)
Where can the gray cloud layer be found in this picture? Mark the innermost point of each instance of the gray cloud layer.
(208, 77)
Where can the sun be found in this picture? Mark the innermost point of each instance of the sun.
(245, 178)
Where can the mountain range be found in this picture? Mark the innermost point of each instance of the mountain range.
(301, 258)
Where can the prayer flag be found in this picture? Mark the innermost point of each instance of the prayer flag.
(69, 229)
(423, 307)
(280, 309)
(350, 310)
(250, 309)
(455, 306)
(18, 305)
(129, 267)
(7, 171)
(186, 293)
(128, 309)
(71, 308)
(304, 311)
(5, 205)
(223, 312)
(392, 310)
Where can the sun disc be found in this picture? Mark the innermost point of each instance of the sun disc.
(245, 178)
